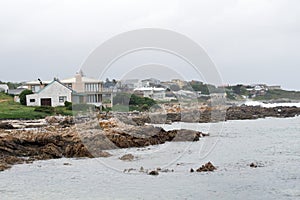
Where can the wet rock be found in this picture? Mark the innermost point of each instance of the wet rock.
(52, 119)
(67, 164)
(4, 166)
(62, 120)
(104, 154)
(208, 167)
(154, 173)
(77, 150)
(166, 170)
(51, 151)
(6, 125)
(11, 160)
(253, 165)
(127, 157)
(141, 169)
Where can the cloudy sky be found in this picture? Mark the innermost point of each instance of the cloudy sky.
(250, 41)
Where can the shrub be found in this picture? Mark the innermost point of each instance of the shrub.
(82, 107)
(23, 96)
(67, 103)
(45, 109)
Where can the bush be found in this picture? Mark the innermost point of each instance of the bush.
(133, 102)
(82, 107)
(45, 109)
(67, 103)
(23, 96)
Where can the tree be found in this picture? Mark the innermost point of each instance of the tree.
(23, 96)
(133, 101)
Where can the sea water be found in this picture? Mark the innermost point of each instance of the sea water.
(272, 143)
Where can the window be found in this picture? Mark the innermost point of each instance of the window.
(91, 87)
(32, 100)
(62, 99)
(94, 98)
(35, 88)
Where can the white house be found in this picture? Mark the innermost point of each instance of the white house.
(85, 89)
(54, 94)
(3, 88)
(152, 92)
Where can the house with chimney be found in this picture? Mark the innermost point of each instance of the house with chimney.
(54, 94)
(77, 89)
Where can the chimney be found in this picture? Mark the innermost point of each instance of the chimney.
(79, 85)
(41, 83)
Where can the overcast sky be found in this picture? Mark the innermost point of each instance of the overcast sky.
(250, 41)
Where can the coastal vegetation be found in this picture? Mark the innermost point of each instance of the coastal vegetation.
(13, 110)
(126, 102)
(279, 94)
(23, 96)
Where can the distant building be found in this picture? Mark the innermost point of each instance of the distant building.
(15, 92)
(3, 88)
(128, 84)
(150, 82)
(151, 92)
(274, 87)
(179, 82)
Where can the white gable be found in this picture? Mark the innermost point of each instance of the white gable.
(55, 94)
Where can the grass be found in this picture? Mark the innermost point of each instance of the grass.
(280, 94)
(13, 110)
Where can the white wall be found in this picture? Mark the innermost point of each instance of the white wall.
(53, 91)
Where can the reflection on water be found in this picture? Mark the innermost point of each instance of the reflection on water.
(272, 143)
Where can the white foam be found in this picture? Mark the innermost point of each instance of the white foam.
(270, 105)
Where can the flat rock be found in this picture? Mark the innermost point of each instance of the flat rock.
(208, 167)
(127, 157)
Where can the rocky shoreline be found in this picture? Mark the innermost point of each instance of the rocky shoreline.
(57, 137)
(209, 114)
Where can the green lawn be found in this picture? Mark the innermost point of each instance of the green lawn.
(12, 110)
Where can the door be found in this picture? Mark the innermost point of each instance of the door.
(46, 102)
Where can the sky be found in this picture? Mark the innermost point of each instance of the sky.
(250, 41)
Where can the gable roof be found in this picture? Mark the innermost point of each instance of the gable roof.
(55, 80)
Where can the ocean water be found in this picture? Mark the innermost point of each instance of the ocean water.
(272, 143)
(270, 105)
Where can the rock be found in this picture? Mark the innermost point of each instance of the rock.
(6, 125)
(192, 170)
(166, 170)
(67, 164)
(253, 165)
(62, 120)
(127, 157)
(52, 119)
(52, 151)
(142, 169)
(11, 160)
(4, 166)
(104, 154)
(208, 167)
(154, 173)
